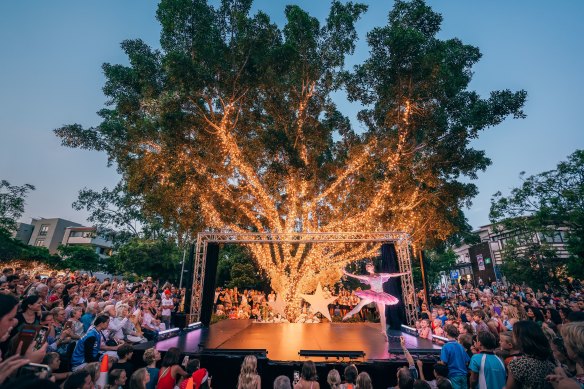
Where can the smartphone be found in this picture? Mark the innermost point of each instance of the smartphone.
(41, 371)
(68, 324)
(296, 377)
(185, 361)
(40, 338)
(26, 336)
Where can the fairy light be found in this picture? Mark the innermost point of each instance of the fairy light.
(233, 194)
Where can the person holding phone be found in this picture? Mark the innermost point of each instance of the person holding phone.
(308, 377)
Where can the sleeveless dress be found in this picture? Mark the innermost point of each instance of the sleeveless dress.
(165, 379)
(376, 293)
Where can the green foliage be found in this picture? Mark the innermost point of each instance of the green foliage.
(12, 203)
(159, 259)
(534, 264)
(79, 258)
(438, 262)
(11, 248)
(120, 215)
(234, 114)
(236, 268)
(542, 204)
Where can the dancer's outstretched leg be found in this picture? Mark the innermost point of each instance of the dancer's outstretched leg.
(357, 308)
(381, 308)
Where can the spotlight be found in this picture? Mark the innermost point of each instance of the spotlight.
(440, 338)
(193, 326)
(409, 330)
(168, 333)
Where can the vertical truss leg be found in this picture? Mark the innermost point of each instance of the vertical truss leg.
(407, 281)
(198, 278)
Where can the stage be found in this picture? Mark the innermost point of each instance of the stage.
(283, 341)
(222, 346)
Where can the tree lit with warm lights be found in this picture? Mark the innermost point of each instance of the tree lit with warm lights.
(234, 121)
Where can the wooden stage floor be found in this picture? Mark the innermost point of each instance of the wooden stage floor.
(283, 341)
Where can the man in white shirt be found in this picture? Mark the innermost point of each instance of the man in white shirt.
(167, 304)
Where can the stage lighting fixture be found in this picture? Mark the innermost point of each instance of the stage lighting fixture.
(409, 330)
(351, 354)
(168, 333)
(193, 326)
(441, 338)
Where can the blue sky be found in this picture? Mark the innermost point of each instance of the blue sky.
(50, 75)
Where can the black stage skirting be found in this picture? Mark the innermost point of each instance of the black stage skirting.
(222, 346)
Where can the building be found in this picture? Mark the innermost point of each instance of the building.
(482, 260)
(23, 232)
(90, 237)
(49, 233)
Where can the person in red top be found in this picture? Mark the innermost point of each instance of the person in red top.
(200, 380)
(171, 372)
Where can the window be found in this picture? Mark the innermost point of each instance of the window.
(44, 230)
(39, 242)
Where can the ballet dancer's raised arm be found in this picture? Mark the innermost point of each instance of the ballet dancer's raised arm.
(360, 278)
(387, 276)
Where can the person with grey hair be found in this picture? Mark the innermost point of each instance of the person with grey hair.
(282, 382)
(89, 315)
(42, 290)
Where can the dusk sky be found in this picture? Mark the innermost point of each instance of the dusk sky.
(51, 54)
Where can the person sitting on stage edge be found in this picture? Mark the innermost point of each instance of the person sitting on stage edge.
(248, 376)
(455, 356)
(308, 377)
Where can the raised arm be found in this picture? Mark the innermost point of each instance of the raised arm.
(387, 276)
(364, 279)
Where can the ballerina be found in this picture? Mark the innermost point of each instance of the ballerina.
(375, 294)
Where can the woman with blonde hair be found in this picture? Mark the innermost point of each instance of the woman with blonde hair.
(93, 369)
(334, 379)
(573, 334)
(139, 379)
(248, 376)
(364, 381)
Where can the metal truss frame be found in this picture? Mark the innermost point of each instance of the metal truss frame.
(400, 239)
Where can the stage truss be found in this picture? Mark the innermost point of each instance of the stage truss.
(400, 239)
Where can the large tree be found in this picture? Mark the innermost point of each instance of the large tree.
(158, 258)
(12, 203)
(543, 203)
(234, 120)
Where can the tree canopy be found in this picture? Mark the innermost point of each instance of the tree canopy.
(542, 204)
(12, 203)
(234, 120)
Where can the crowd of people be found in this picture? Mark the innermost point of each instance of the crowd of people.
(60, 328)
(67, 321)
(231, 303)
